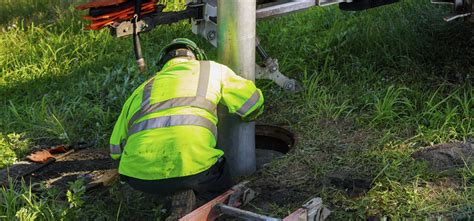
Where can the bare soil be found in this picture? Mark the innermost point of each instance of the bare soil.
(16, 171)
(92, 165)
(446, 156)
(350, 180)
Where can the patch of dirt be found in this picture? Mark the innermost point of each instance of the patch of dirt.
(16, 171)
(271, 195)
(280, 195)
(287, 183)
(88, 164)
(350, 180)
(93, 165)
(446, 156)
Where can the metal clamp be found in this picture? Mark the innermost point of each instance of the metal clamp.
(271, 72)
(316, 210)
(243, 214)
(313, 210)
(242, 195)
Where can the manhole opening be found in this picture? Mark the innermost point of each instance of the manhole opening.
(272, 142)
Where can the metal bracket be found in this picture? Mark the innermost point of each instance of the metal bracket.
(150, 21)
(316, 210)
(324, 3)
(312, 210)
(271, 71)
(243, 214)
(207, 26)
(242, 194)
(237, 196)
(283, 8)
(461, 8)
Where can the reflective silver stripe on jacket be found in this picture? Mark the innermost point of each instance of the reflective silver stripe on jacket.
(204, 73)
(198, 101)
(249, 103)
(115, 149)
(173, 120)
(147, 93)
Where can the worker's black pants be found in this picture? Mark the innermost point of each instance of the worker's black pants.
(206, 185)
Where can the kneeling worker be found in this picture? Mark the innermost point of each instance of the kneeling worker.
(165, 136)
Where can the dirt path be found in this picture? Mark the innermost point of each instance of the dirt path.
(92, 165)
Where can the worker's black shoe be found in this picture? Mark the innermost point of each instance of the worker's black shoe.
(181, 204)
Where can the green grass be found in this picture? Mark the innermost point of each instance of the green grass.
(379, 84)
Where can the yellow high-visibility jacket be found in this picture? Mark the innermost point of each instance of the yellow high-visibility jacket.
(167, 127)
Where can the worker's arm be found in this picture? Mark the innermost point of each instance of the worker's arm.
(240, 95)
(119, 134)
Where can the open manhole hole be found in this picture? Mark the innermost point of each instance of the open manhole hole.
(272, 142)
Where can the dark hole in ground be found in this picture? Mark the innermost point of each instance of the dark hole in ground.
(272, 142)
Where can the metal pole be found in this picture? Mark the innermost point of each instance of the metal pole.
(236, 20)
(243, 214)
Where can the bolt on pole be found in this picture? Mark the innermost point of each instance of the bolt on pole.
(236, 24)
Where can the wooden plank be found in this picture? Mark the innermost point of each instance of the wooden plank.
(206, 212)
(299, 215)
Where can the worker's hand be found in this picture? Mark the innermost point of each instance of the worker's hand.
(252, 116)
(115, 156)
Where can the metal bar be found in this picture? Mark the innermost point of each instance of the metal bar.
(137, 47)
(243, 214)
(281, 9)
(457, 16)
(260, 50)
(236, 24)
